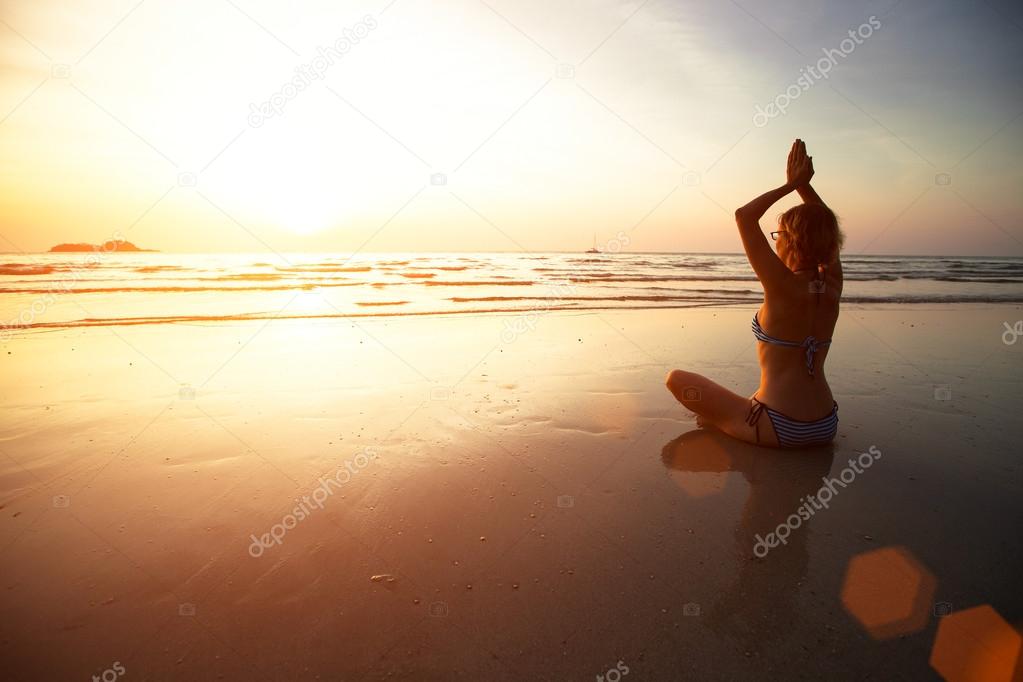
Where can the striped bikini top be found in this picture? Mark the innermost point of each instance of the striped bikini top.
(810, 343)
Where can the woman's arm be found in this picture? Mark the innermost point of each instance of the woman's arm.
(750, 214)
(808, 195)
(769, 268)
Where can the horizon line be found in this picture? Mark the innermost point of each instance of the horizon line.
(583, 253)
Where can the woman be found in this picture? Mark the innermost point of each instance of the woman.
(802, 286)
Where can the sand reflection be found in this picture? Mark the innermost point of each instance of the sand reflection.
(760, 604)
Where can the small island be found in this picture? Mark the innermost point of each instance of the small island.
(107, 246)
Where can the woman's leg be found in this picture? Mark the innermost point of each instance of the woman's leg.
(718, 407)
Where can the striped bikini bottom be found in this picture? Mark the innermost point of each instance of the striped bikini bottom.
(794, 433)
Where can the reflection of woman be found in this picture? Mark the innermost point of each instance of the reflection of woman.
(761, 603)
(802, 286)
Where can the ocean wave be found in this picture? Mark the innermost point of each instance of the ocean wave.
(665, 278)
(722, 296)
(245, 277)
(305, 286)
(985, 280)
(935, 298)
(325, 267)
(23, 269)
(146, 269)
(480, 283)
(960, 265)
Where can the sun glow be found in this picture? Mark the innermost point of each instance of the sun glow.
(298, 209)
(592, 118)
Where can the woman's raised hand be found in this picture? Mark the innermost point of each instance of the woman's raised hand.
(799, 169)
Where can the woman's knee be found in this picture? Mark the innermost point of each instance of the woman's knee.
(686, 386)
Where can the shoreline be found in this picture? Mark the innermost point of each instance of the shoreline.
(487, 312)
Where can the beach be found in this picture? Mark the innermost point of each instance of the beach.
(336, 341)
(437, 497)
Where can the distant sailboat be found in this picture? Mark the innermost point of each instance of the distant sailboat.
(594, 248)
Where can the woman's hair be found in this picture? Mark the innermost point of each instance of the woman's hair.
(812, 235)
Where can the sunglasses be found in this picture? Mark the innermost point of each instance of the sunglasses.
(774, 235)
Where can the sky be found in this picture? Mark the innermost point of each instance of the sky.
(500, 125)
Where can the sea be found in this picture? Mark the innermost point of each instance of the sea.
(59, 290)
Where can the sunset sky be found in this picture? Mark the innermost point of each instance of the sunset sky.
(550, 122)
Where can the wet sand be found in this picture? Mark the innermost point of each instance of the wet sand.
(503, 498)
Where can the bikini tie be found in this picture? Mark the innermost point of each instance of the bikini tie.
(756, 408)
(811, 349)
